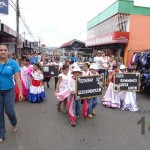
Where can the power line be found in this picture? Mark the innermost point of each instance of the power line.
(13, 5)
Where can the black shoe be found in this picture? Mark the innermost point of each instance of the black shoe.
(47, 85)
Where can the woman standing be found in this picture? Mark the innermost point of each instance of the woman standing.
(104, 63)
(8, 68)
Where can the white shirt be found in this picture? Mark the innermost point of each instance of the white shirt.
(97, 61)
(39, 58)
(104, 61)
(72, 84)
(60, 64)
(85, 73)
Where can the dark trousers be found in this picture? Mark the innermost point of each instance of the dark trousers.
(56, 80)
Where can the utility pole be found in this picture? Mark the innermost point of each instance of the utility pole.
(17, 29)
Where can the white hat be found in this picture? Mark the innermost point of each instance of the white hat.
(93, 66)
(74, 64)
(76, 69)
(122, 67)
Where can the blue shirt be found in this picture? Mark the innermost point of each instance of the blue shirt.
(33, 60)
(6, 74)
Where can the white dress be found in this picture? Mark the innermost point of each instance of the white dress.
(63, 89)
(128, 101)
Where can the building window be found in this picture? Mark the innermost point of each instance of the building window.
(119, 22)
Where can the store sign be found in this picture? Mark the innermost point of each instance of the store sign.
(27, 44)
(9, 40)
(4, 7)
(34, 45)
(20, 44)
(114, 37)
(43, 45)
(8, 30)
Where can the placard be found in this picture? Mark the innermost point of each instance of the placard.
(88, 86)
(50, 71)
(126, 82)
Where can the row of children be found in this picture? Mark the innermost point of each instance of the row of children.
(66, 90)
(124, 100)
(32, 85)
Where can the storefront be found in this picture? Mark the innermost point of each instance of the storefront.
(121, 30)
(8, 37)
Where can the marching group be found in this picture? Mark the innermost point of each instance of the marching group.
(29, 84)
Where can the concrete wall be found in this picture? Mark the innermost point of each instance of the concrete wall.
(139, 37)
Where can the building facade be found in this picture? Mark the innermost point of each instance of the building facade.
(120, 30)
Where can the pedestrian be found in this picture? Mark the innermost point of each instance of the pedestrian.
(85, 72)
(25, 77)
(104, 63)
(59, 64)
(128, 98)
(8, 68)
(74, 105)
(36, 91)
(46, 79)
(111, 99)
(33, 58)
(62, 89)
(92, 102)
(85, 69)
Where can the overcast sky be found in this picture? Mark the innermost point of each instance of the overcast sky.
(58, 21)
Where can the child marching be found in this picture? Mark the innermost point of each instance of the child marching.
(74, 105)
(36, 91)
(92, 102)
(62, 88)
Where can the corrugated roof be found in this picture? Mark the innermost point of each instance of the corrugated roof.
(71, 42)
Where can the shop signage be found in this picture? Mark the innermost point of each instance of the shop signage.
(34, 44)
(9, 40)
(8, 30)
(4, 7)
(27, 44)
(114, 37)
(20, 44)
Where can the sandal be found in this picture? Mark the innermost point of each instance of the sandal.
(15, 128)
(1, 140)
(77, 117)
(73, 124)
(64, 111)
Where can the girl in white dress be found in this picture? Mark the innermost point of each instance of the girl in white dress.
(62, 88)
(128, 99)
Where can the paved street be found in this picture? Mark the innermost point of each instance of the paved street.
(41, 127)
